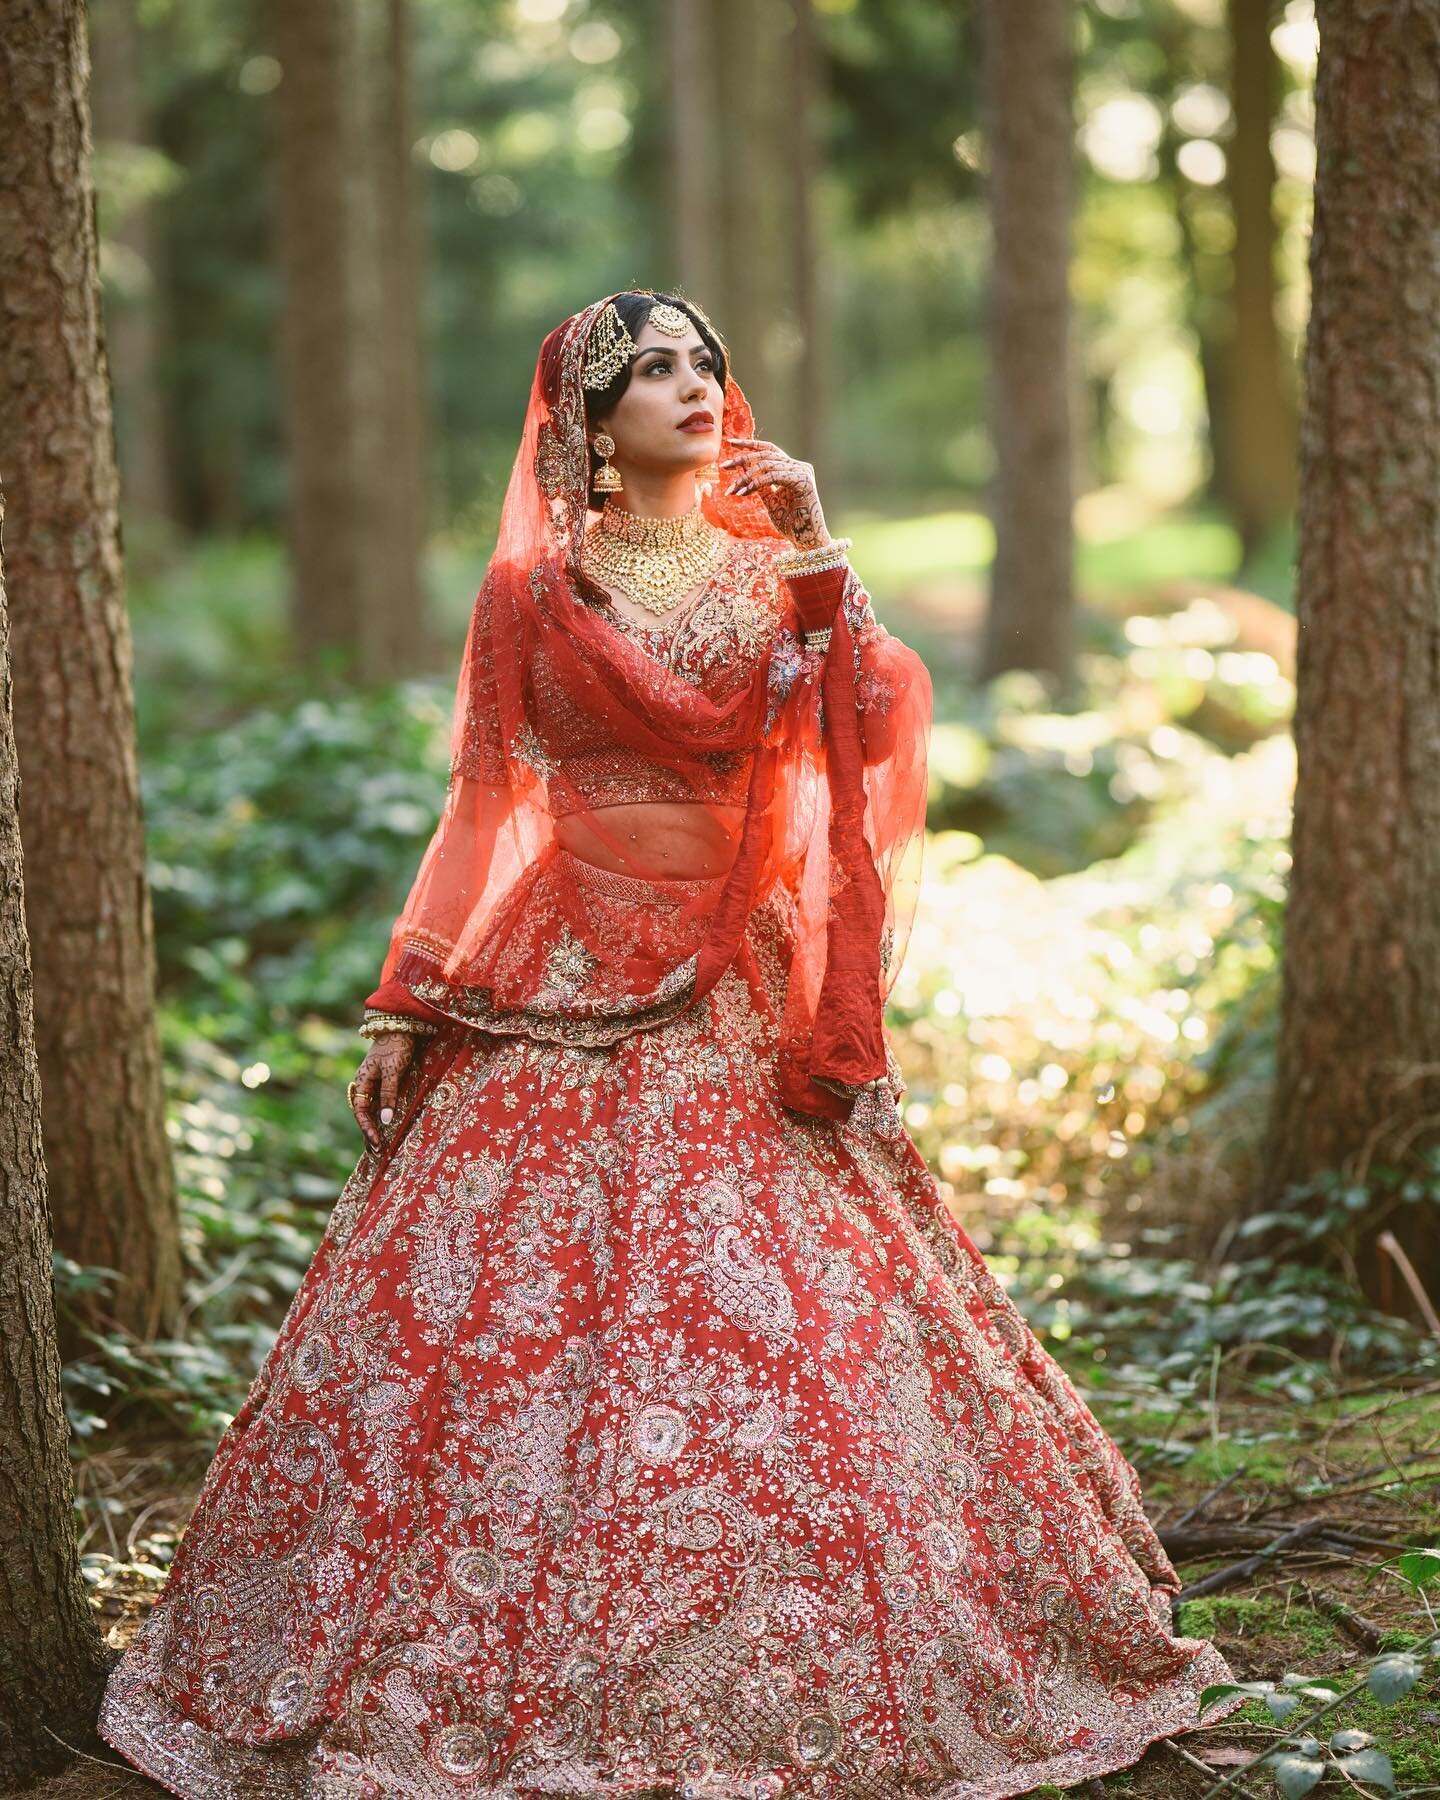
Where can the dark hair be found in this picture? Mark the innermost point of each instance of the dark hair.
(634, 310)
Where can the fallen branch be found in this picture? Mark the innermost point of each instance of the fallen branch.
(1303, 1533)
(1195, 1763)
(1214, 1494)
(1364, 1631)
(1226, 1534)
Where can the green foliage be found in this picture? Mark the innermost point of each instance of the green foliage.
(280, 850)
(1301, 1761)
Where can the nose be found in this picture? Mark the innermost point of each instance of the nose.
(698, 385)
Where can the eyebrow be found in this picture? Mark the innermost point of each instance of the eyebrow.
(666, 350)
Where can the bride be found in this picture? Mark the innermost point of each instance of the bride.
(646, 1424)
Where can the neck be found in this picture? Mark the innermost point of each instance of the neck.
(651, 496)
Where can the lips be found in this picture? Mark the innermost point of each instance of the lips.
(697, 421)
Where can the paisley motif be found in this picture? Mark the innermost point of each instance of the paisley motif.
(631, 1434)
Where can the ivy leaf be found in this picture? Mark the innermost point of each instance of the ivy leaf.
(1296, 1775)
(1393, 1677)
(1314, 1687)
(1281, 1706)
(1370, 1765)
(1420, 1567)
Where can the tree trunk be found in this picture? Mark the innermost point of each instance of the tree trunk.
(396, 640)
(1028, 79)
(807, 275)
(111, 1187)
(51, 1659)
(1360, 1029)
(330, 305)
(690, 94)
(132, 337)
(757, 302)
(1259, 415)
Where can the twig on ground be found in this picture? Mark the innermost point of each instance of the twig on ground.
(1344, 1491)
(1225, 1534)
(1250, 1565)
(1195, 1763)
(1364, 1631)
(1201, 1504)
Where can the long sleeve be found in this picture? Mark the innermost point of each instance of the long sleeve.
(854, 704)
(885, 669)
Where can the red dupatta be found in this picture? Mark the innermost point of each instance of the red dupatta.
(502, 931)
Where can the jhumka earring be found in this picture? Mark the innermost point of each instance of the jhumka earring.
(607, 476)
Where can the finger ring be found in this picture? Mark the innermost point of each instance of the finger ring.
(350, 1095)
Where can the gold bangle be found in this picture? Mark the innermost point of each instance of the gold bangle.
(377, 1023)
(816, 559)
(818, 639)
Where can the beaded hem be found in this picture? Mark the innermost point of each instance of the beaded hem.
(151, 1748)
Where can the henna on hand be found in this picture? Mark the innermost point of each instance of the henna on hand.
(378, 1078)
(786, 487)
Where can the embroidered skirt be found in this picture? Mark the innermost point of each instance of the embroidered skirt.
(630, 1434)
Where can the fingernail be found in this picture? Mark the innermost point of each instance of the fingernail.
(386, 1115)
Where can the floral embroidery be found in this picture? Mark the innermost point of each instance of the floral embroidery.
(714, 644)
(633, 1434)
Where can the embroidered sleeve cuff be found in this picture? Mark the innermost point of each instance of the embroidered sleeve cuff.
(393, 999)
(816, 594)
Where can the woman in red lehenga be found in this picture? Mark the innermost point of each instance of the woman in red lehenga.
(645, 1423)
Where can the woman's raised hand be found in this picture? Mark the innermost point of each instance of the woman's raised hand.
(784, 484)
(377, 1081)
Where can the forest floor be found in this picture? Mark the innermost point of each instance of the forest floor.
(1361, 1471)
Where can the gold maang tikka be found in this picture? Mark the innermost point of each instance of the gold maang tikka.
(610, 346)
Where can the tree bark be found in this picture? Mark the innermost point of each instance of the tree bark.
(1259, 413)
(692, 132)
(1028, 77)
(803, 161)
(52, 1662)
(397, 641)
(330, 306)
(1359, 1041)
(118, 113)
(91, 935)
(757, 303)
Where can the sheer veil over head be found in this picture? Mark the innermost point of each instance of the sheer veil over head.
(562, 714)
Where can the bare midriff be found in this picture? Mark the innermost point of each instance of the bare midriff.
(670, 837)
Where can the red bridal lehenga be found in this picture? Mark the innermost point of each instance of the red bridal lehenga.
(646, 1424)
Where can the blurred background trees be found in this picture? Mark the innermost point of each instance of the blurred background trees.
(811, 172)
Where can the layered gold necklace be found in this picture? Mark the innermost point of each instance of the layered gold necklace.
(654, 562)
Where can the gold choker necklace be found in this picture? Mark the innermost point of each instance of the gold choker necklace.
(654, 562)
